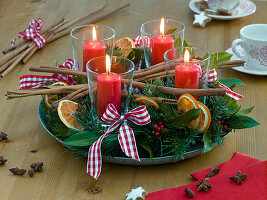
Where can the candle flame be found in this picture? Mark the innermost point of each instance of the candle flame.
(186, 56)
(162, 26)
(94, 34)
(108, 63)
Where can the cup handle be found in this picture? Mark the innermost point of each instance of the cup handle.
(234, 45)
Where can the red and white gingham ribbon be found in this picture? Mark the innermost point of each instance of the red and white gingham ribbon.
(139, 116)
(35, 81)
(31, 33)
(138, 41)
(212, 79)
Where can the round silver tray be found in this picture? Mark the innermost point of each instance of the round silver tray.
(194, 151)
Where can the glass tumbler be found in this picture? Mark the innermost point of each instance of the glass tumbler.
(187, 67)
(91, 41)
(158, 36)
(109, 86)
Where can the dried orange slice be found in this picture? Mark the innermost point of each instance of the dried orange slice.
(65, 110)
(125, 44)
(49, 99)
(148, 101)
(187, 102)
(204, 118)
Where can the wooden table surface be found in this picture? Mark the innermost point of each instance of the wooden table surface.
(64, 177)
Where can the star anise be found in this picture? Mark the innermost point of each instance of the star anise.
(204, 185)
(37, 167)
(239, 178)
(31, 172)
(2, 160)
(213, 171)
(189, 193)
(18, 171)
(3, 136)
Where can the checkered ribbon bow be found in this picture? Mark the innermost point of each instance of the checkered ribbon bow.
(212, 77)
(31, 33)
(35, 81)
(139, 116)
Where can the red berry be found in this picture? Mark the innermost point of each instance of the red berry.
(219, 122)
(158, 129)
(155, 126)
(160, 123)
(225, 127)
(157, 134)
(162, 126)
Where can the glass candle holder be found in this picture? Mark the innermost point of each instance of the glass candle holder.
(91, 41)
(158, 36)
(112, 87)
(187, 67)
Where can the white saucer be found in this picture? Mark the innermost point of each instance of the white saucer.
(242, 68)
(245, 8)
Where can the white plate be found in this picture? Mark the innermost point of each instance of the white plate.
(242, 68)
(244, 9)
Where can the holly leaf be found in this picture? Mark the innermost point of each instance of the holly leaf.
(135, 55)
(240, 122)
(207, 140)
(181, 121)
(223, 56)
(213, 61)
(187, 44)
(178, 43)
(170, 31)
(245, 111)
(232, 82)
(82, 139)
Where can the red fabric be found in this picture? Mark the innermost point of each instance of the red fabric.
(237, 162)
(253, 188)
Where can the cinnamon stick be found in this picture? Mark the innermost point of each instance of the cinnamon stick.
(178, 91)
(90, 21)
(69, 24)
(58, 71)
(44, 91)
(12, 54)
(7, 64)
(35, 48)
(14, 64)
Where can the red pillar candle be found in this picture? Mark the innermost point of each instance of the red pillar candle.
(187, 74)
(108, 91)
(160, 44)
(92, 49)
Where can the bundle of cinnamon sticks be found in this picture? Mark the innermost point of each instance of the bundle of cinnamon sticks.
(153, 72)
(24, 50)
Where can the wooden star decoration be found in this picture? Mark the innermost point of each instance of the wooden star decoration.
(201, 19)
(137, 194)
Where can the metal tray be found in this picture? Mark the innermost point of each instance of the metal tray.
(194, 151)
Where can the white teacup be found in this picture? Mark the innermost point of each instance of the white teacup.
(223, 4)
(253, 39)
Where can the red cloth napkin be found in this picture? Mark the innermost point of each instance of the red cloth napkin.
(237, 162)
(253, 188)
